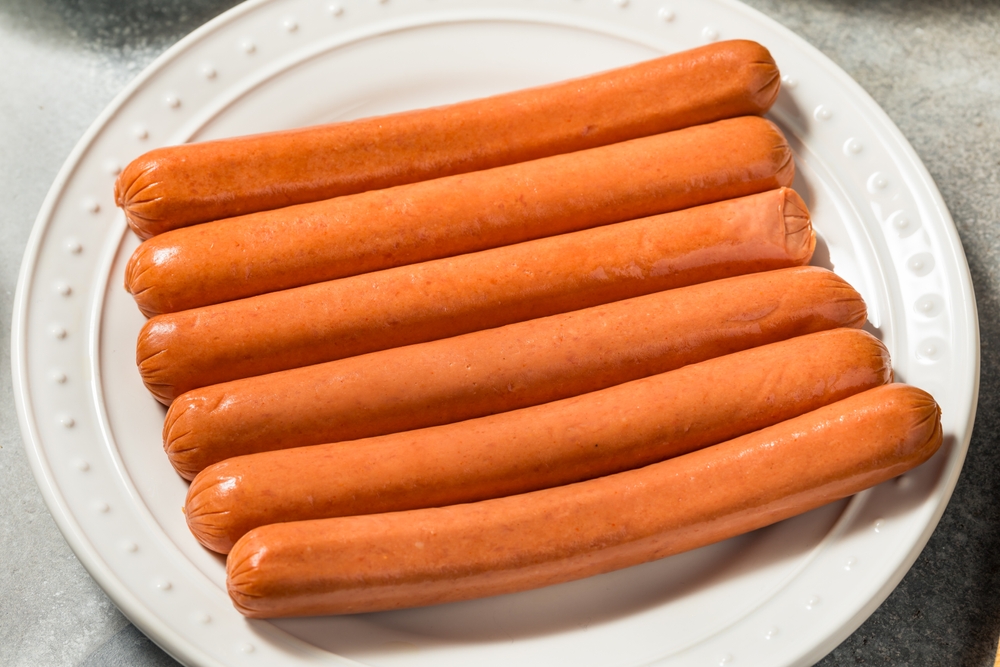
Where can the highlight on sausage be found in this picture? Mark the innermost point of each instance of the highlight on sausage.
(447, 297)
(496, 370)
(600, 433)
(177, 186)
(429, 556)
(275, 250)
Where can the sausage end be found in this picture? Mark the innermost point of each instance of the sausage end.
(139, 283)
(137, 194)
(784, 159)
(204, 509)
(883, 360)
(765, 79)
(180, 438)
(925, 435)
(844, 305)
(242, 579)
(150, 352)
(800, 237)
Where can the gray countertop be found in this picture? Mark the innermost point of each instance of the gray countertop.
(934, 66)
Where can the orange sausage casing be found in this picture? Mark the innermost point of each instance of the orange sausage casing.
(275, 250)
(428, 556)
(181, 185)
(600, 433)
(447, 297)
(503, 369)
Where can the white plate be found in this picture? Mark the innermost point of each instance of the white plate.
(785, 595)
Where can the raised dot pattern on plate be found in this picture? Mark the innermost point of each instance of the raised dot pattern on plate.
(879, 183)
(931, 349)
(921, 264)
(930, 305)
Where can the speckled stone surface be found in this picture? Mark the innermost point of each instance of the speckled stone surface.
(933, 66)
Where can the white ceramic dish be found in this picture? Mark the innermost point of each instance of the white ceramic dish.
(785, 595)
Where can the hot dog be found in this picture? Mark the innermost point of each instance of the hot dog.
(300, 245)
(502, 369)
(428, 556)
(447, 297)
(181, 185)
(600, 433)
